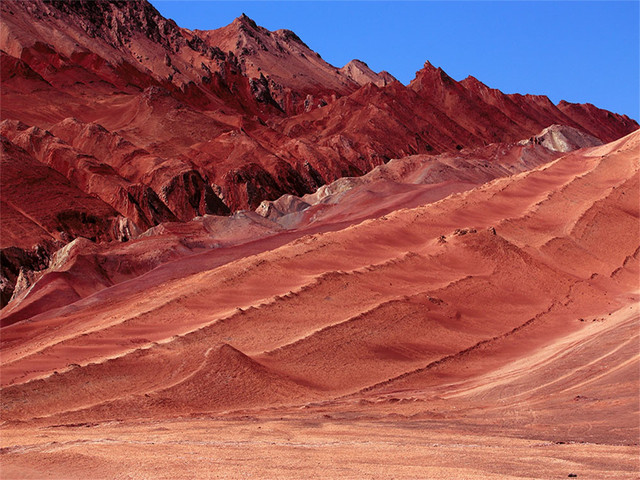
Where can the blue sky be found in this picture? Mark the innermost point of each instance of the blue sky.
(579, 51)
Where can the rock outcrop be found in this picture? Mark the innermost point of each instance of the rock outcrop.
(560, 138)
(359, 72)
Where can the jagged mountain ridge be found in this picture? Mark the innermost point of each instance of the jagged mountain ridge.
(163, 123)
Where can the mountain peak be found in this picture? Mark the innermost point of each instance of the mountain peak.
(359, 72)
(431, 78)
(431, 71)
(244, 19)
(473, 81)
(358, 63)
(430, 67)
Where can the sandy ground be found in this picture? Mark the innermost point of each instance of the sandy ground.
(299, 448)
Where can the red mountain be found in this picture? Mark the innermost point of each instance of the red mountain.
(218, 248)
(163, 123)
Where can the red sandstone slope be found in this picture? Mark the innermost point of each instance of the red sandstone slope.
(461, 268)
(401, 183)
(395, 307)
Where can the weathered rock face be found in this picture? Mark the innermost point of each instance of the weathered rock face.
(283, 69)
(136, 202)
(359, 72)
(190, 196)
(174, 189)
(41, 204)
(15, 261)
(41, 211)
(560, 138)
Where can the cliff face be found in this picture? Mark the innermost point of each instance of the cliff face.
(147, 122)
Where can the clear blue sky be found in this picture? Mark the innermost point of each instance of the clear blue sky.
(579, 51)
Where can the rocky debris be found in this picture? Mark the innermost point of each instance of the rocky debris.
(463, 231)
(284, 205)
(16, 262)
(562, 138)
(595, 319)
